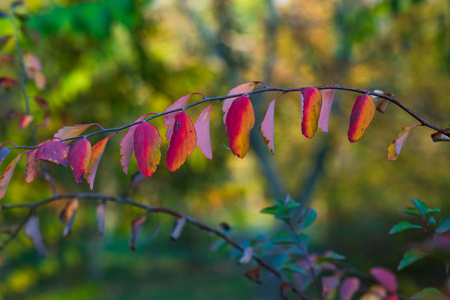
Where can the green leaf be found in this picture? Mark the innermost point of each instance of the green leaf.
(308, 218)
(444, 225)
(432, 211)
(303, 240)
(272, 210)
(411, 257)
(411, 211)
(421, 206)
(295, 268)
(403, 225)
(281, 238)
(291, 204)
(330, 256)
(432, 221)
(428, 294)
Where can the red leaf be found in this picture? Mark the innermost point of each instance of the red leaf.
(101, 211)
(246, 256)
(182, 143)
(169, 119)
(79, 157)
(267, 125)
(73, 131)
(3, 153)
(348, 288)
(177, 228)
(42, 103)
(361, 117)
(25, 120)
(136, 226)
(33, 232)
(147, 148)
(311, 104)
(327, 101)
(386, 278)
(329, 283)
(240, 120)
(242, 88)
(67, 216)
(127, 145)
(9, 171)
(253, 275)
(7, 83)
(397, 144)
(53, 151)
(32, 165)
(97, 153)
(202, 130)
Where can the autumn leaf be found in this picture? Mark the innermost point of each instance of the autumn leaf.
(182, 143)
(169, 119)
(97, 153)
(267, 125)
(73, 131)
(397, 144)
(311, 105)
(32, 165)
(348, 288)
(147, 144)
(440, 137)
(24, 121)
(240, 120)
(3, 153)
(7, 83)
(253, 275)
(385, 278)
(9, 171)
(201, 127)
(53, 151)
(33, 232)
(67, 216)
(380, 103)
(136, 226)
(79, 158)
(242, 88)
(327, 101)
(361, 117)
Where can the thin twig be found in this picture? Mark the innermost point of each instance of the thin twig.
(13, 234)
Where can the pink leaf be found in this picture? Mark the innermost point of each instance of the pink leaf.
(242, 88)
(33, 232)
(147, 148)
(53, 151)
(9, 171)
(79, 158)
(32, 165)
(182, 143)
(386, 278)
(327, 101)
(202, 129)
(169, 119)
(267, 125)
(349, 288)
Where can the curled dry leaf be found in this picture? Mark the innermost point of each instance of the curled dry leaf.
(397, 144)
(182, 142)
(242, 88)
(177, 228)
(380, 103)
(311, 101)
(136, 226)
(53, 151)
(240, 120)
(136, 179)
(253, 275)
(9, 171)
(80, 153)
(361, 117)
(147, 144)
(169, 119)
(246, 256)
(202, 130)
(33, 232)
(67, 216)
(440, 137)
(32, 165)
(101, 216)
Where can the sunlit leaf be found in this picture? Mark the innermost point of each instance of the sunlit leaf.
(202, 130)
(182, 142)
(67, 216)
(240, 120)
(397, 144)
(3, 153)
(97, 153)
(348, 288)
(267, 125)
(361, 117)
(53, 151)
(73, 131)
(327, 101)
(311, 105)
(169, 119)
(246, 256)
(177, 228)
(101, 216)
(79, 157)
(253, 275)
(33, 232)
(242, 88)
(9, 171)
(385, 278)
(147, 144)
(403, 225)
(32, 165)
(411, 257)
(39, 79)
(136, 226)
(24, 121)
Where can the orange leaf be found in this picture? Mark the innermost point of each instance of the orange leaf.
(202, 130)
(169, 119)
(311, 104)
(53, 151)
(147, 144)
(327, 101)
(361, 117)
(73, 131)
(136, 226)
(9, 171)
(97, 153)
(397, 144)
(25, 120)
(240, 120)
(242, 88)
(182, 143)
(67, 216)
(32, 165)
(79, 158)
(33, 232)
(267, 125)
(253, 275)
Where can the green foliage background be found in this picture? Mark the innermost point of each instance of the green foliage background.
(110, 62)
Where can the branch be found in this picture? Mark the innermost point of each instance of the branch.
(32, 206)
(392, 99)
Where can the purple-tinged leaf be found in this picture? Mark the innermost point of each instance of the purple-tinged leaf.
(9, 171)
(246, 256)
(348, 288)
(33, 232)
(53, 151)
(79, 157)
(202, 130)
(386, 278)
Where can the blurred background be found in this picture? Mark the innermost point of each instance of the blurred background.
(109, 62)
